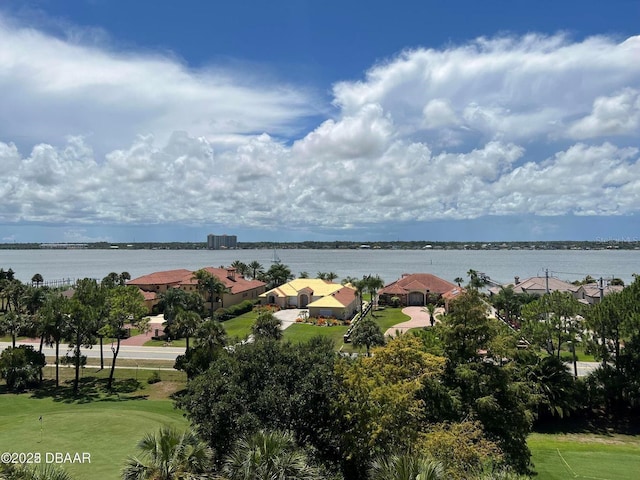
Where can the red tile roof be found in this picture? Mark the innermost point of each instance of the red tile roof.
(235, 283)
(418, 282)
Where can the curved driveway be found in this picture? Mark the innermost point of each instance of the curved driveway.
(419, 318)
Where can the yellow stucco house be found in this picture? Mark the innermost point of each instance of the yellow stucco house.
(320, 297)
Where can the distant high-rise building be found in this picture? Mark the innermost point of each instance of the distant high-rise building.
(217, 242)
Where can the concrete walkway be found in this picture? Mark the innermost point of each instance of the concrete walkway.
(419, 318)
(288, 316)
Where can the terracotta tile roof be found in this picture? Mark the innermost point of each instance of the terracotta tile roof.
(420, 282)
(167, 277)
(235, 283)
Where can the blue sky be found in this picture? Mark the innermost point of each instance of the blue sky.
(296, 120)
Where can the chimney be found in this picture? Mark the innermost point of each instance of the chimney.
(517, 280)
(231, 273)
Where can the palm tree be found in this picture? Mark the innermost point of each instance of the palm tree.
(255, 267)
(43, 471)
(187, 322)
(373, 283)
(211, 286)
(211, 335)
(278, 274)
(459, 281)
(267, 456)
(167, 455)
(37, 279)
(53, 320)
(12, 323)
(241, 268)
(267, 326)
(367, 333)
(406, 467)
(430, 308)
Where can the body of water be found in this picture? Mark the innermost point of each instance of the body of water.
(499, 265)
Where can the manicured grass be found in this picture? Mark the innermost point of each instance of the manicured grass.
(105, 426)
(303, 332)
(240, 327)
(585, 456)
(389, 317)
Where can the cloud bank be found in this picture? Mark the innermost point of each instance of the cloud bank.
(532, 125)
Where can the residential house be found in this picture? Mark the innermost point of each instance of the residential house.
(321, 297)
(239, 288)
(417, 288)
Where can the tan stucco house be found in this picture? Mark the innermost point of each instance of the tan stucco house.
(239, 288)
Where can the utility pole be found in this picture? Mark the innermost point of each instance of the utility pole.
(546, 279)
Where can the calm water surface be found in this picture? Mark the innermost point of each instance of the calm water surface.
(500, 265)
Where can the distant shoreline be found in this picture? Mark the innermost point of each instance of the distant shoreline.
(339, 245)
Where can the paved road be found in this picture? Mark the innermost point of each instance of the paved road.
(134, 353)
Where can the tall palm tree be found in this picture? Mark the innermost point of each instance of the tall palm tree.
(167, 455)
(374, 283)
(212, 287)
(241, 267)
(459, 281)
(406, 467)
(267, 456)
(53, 320)
(255, 267)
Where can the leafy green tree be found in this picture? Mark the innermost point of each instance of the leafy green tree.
(37, 279)
(367, 333)
(267, 455)
(266, 385)
(379, 404)
(467, 329)
(210, 340)
(462, 447)
(21, 366)
(169, 454)
(267, 326)
(406, 466)
(125, 305)
(551, 321)
(85, 309)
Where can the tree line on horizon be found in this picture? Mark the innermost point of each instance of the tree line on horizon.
(455, 400)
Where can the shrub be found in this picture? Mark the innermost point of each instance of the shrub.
(154, 378)
(321, 321)
(21, 366)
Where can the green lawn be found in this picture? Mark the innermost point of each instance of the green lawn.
(106, 428)
(240, 327)
(302, 332)
(585, 456)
